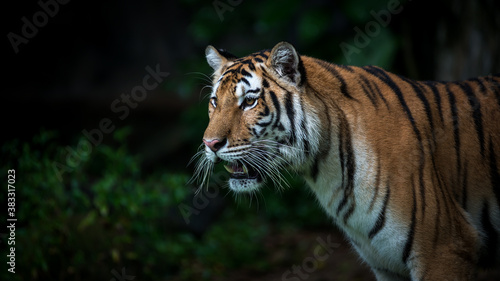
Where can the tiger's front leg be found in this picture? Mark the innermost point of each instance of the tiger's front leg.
(453, 257)
(446, 265)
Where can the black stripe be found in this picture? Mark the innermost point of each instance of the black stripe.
(422, 188)
(350, 159)
(252, 91)
(379, 224)
(305, 139)
(326, 144)
(277, 107)
(250, 64)
(349, 211)
(343, 86)
(494, 173)
(368, 93)
(488, 251)
(342, 203)
(342, 171)
(464, 187)
(418, 90)
(346, 67)
(254, 131)
(266, 111)
(437, 97)
(245, 73)
(264, 124)
(377, 185)
(425, 102)
(478, 81)
(476, 113)
(290, 111)
(456, 130)
(265, 83)
(263, 95)
(437, 224)
(346, 155)
(229, 71)
(315, 169)
(445, 195)
(411, 232)
(382, 75)
(261, 53)
(496, 90)
(244, 80)
(379, 93)
(235, 67)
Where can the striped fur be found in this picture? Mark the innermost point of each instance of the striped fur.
(409, 170)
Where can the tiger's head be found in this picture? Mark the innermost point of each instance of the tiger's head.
(254, 109)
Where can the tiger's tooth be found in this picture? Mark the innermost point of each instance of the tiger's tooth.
(245, 170)
(229, 168)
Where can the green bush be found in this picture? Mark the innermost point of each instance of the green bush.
(100, 215)
(103, 215)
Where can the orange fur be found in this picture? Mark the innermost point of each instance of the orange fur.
(410, 170)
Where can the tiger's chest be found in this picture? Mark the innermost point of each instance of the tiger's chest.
(360, 210)
(382, 250)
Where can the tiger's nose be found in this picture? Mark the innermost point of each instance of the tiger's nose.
(215, 144)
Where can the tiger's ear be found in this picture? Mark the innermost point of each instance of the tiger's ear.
(287, 63)
(217, 58)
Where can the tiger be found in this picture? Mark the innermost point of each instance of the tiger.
(409, 170)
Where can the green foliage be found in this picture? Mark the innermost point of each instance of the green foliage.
(313, 23)
(380, 51)
(93, 215)
(105, 214)
(359, 10)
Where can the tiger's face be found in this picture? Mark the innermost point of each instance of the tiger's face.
(247, 130)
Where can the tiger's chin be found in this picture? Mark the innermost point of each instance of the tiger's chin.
(244, 185)
(243, 178)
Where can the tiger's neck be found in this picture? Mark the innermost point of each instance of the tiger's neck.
(341, 166)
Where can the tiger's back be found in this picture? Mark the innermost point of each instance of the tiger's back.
(425, 169)
(409, 170)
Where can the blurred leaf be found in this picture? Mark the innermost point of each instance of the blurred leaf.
(122, 133)
(313, 24)
(359, 10)
(87, 220)
(380, 51)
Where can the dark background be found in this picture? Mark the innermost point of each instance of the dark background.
(88, 210)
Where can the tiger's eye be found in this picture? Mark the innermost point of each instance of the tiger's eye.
(250, 101)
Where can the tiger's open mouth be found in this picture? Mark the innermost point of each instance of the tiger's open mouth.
(238, 170)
